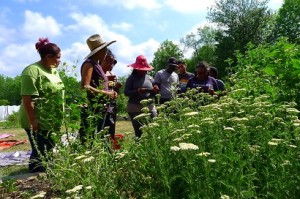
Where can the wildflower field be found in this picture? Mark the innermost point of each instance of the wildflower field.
(241, 145)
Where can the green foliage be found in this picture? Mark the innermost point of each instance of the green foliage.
(287, 21)
(4, 102)
(10, 89)
(277, 67)
(241, 22)
(204, 45)
(167, 49)
(12, 121)
(122, 99)
(243, 145)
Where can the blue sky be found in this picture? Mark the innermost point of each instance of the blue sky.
(139, 26)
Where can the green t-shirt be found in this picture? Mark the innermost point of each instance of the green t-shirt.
(46, 89)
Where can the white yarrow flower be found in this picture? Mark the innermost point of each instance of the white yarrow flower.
(40, 195)
(75, 189)
(193, 126)
(88, 187)
(191, 113)
(175, 148)
(272, 143)
(225, 197)
(88, 159)
(211, 160)
(142, 115)
(80, 157)
(228, 128)
(205, 154)
(292, 110)
(188, 146)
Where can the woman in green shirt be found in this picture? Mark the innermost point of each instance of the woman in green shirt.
(42, 102)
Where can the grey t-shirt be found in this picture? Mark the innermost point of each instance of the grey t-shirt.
(134, 82)
(168, 83)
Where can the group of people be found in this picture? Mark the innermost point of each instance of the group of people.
(42, 92)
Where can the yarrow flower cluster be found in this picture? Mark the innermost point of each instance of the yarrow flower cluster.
(292, 110)
(80, 157)
(40, 195)
(228, 128)
(88, 159)
(225, 197)
(174, 148)
(188, 146)
(140, 116)
(211, 160)
(205, 154)
(75, 189)
(191, 113)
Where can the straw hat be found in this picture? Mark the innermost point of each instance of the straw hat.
(96, 43)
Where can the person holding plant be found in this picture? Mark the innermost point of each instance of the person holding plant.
(95, 82)
(138, 87)
(41, 110)
(113, 84)
(202, 80)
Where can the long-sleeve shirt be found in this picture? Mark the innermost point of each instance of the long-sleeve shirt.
(135, 81)
(209, 82)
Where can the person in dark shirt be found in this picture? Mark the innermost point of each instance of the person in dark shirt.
(138, 87)
(206, 83)
(213, 72)
(95, 82)
(183, 75)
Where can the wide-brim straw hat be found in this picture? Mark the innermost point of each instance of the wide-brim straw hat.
(96, 43)
(141, 64)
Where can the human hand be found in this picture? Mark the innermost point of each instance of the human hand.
(34, 126)
(143, 90)
(211, 91)
(155, 89)
(112, 94)
(118, 85)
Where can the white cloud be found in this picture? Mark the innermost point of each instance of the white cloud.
(36, 25)
(189, 6)
(275, 4)
(16, 57)
(122, 26)
(24, 1)
(129, 4)
(133, 4)
(6, 35)
(125, 51)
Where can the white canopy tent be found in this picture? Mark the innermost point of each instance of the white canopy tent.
(7, 110)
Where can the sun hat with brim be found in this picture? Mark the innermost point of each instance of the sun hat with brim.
(141, 64)
(96, 43)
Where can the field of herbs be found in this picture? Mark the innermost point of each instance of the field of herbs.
(245, 144)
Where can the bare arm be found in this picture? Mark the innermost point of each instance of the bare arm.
(29, 108)
(86, 76)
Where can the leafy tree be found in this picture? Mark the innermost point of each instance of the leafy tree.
(203, 44)
(167, 49)
(10, 89)
(240, 22)
(272, 69)
(287, 21)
